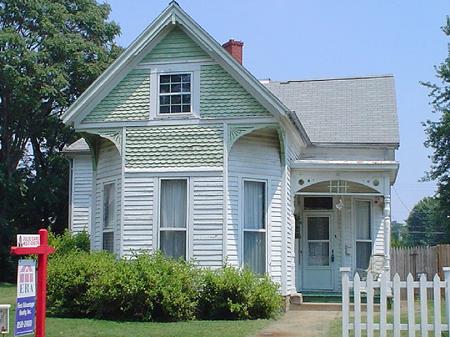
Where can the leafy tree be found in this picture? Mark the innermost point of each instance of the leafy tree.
(438, 134)
(50, 52)
(425, 223)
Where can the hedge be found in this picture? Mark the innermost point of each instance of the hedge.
(155, 288)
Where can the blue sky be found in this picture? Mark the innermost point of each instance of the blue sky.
(291, 40)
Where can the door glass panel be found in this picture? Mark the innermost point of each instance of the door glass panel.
(318, 228)
(318, 254)
(318, 237)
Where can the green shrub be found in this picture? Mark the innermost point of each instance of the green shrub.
(68, 242)
(149, 288)
(230, 293)
(154, 288)
(70, 277)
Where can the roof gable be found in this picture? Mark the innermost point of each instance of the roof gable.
(148, 40)
(176, 45)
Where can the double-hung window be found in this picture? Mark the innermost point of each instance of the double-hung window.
(109, 198)
(175, 93)
(255, 226)
(173, 218)
(363, 234)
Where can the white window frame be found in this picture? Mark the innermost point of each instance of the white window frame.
(266, 220)
(164, 114)
(114, 220)
(188, 214)
(371, 230)
(172, 69)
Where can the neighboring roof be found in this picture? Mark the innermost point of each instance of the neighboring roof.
(358, 110)
(79, 146)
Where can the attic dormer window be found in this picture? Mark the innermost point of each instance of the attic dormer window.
(175, 93)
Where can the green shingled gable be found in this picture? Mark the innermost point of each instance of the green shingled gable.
(174, 146)
(222, 96)
(176, 45)
(129, 100)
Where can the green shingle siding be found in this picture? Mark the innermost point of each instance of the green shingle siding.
(222, 96)
(174, 146)
(129, 100)
(176, 45)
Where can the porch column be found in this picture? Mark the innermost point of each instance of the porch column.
(387, 232)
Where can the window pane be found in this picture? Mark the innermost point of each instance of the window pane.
(164, 88)
(254, 204)
(173, 243)
(173, 207)
(164, 109)
(175, 108)
(255, 251)
(318, 228)
(318, 253)
(186, 77)
(363, 252)
(186, 108)
(318, 203)
(164, 79)
(175, 78)
(108, 205)
(175, 99)
(186, 87)
(164, 99)
(175, 88)
(363, 220)
(108, 241)
(186, 99)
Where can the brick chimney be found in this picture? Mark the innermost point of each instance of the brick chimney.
(235, 49)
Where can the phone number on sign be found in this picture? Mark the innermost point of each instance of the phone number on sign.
(25, 324)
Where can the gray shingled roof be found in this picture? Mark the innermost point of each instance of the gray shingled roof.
(343, 110)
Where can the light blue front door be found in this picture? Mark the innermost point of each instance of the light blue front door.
(317, 264)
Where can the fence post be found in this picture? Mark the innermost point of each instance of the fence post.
(345, 274)
(446, 271)
(396, 286)
(410, 303)
(423, 306)
(357, 304)
(437, 305)
(383, 303)
(369, 290)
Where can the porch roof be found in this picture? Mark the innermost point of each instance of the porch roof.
(389, 166)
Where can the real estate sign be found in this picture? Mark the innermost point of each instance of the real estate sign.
(28, 240)
(26, 298)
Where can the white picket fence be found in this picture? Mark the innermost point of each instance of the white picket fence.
(392, 320)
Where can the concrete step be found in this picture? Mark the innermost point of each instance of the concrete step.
(313, 306)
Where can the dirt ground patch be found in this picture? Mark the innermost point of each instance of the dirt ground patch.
(302, 324)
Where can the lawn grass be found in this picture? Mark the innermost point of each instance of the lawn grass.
(77, 327)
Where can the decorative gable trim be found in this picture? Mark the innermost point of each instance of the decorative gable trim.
(236, 131)
(151, 36)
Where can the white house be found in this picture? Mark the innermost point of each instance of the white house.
(183, 150)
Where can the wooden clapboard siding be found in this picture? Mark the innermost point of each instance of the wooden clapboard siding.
(256, 155)
(109, 168)
(207, 220)
(81, 190)
(139, 196)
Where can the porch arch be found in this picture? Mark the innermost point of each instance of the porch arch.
(338, 187)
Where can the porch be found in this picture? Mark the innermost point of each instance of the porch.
(342, 218)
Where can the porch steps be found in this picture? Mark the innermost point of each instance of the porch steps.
(309, 306)
(323, 301)
(331, 297)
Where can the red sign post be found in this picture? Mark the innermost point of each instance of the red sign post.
(42, 251)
